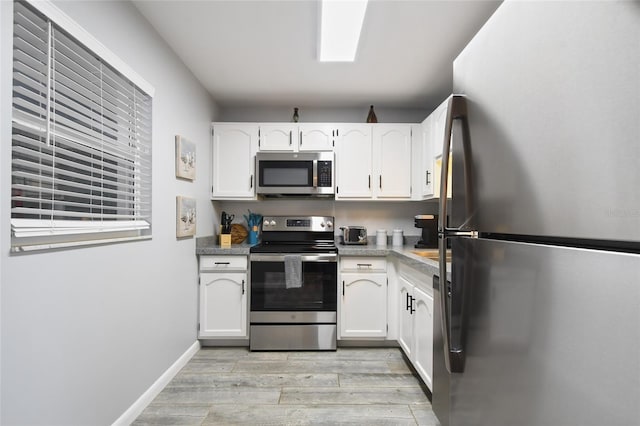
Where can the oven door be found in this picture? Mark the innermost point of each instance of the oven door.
(318, 290)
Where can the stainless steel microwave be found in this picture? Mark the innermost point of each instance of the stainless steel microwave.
(295, 174)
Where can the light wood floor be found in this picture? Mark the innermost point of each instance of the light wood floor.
(349, 386)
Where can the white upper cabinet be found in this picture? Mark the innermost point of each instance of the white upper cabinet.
(423, 161)
(316, 137)
(354, 162)
(392, 161)
(373, 162)
(439, 119)
(278, 137)
(285, 137)
(232, 164)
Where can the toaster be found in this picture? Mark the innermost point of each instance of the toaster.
(354, 235)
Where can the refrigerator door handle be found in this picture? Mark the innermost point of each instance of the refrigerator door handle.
(457, 110)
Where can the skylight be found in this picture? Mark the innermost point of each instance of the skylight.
(340, 27)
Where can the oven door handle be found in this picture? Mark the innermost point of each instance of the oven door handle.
(327, 257)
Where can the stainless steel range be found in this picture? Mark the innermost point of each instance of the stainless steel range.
(294, 278)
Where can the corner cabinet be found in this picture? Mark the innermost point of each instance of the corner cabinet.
(415, 322)
(373, 162)
(423, 160)
(223, 297)
(233, 161)
(363, 297)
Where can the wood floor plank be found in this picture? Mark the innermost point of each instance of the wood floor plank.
(310, 366)
(374, 379)
(364, 396)
(249, 380)
(172, 414)
(309, 414)
(211, 395)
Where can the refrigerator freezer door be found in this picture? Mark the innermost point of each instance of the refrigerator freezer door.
(553, 99)
(551, 337)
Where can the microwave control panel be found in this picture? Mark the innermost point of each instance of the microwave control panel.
(324, 174)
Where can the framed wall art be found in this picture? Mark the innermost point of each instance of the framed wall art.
(185, 158)
(185, 216)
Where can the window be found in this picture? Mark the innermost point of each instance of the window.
(81, 142)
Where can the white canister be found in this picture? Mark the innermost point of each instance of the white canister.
(397, 239)
(381, 238)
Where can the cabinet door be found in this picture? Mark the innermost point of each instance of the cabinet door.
(233, 164)
(354, 162)
(223, 304)
(363, 308)
(439, 119)
(423, 161)
(278, 137)
(316, 137)
(423, 335)
(405, 319)
(392, 161)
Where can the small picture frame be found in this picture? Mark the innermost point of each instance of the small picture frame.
(185, 158)
(185, 216)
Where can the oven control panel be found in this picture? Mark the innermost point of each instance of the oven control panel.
(298, 223)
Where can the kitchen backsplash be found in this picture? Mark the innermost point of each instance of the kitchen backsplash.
(372, 215)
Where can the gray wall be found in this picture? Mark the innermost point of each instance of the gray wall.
(323, 115)
(86, 331)
(372, 214)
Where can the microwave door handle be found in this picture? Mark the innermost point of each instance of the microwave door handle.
(315, 173)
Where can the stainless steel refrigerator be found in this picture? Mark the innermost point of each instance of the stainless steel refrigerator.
(538, 322)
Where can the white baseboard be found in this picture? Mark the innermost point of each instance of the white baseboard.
(141, 403)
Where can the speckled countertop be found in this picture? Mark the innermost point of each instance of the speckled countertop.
(210, 246)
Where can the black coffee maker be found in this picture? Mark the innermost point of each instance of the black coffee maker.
(429, 225)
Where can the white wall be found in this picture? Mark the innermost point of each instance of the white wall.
(86, 331)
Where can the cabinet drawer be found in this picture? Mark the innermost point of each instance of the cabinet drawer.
(223, 263)
(363, 264)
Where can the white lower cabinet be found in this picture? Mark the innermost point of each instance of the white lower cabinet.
(415, 334)
(223, 296)
(363, 297)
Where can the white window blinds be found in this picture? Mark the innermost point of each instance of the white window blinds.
(81, 142)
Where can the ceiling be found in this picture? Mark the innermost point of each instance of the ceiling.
(264, 53)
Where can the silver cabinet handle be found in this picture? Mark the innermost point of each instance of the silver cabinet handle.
(380, 181)
(251, 182)
(222, 263)
(427, 174)
(290, 137)
(300, 141)
(368, 265)
(242, 286)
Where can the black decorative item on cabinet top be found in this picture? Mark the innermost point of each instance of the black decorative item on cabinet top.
(371, 117)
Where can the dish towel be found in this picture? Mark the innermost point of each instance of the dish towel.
(292, 271)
